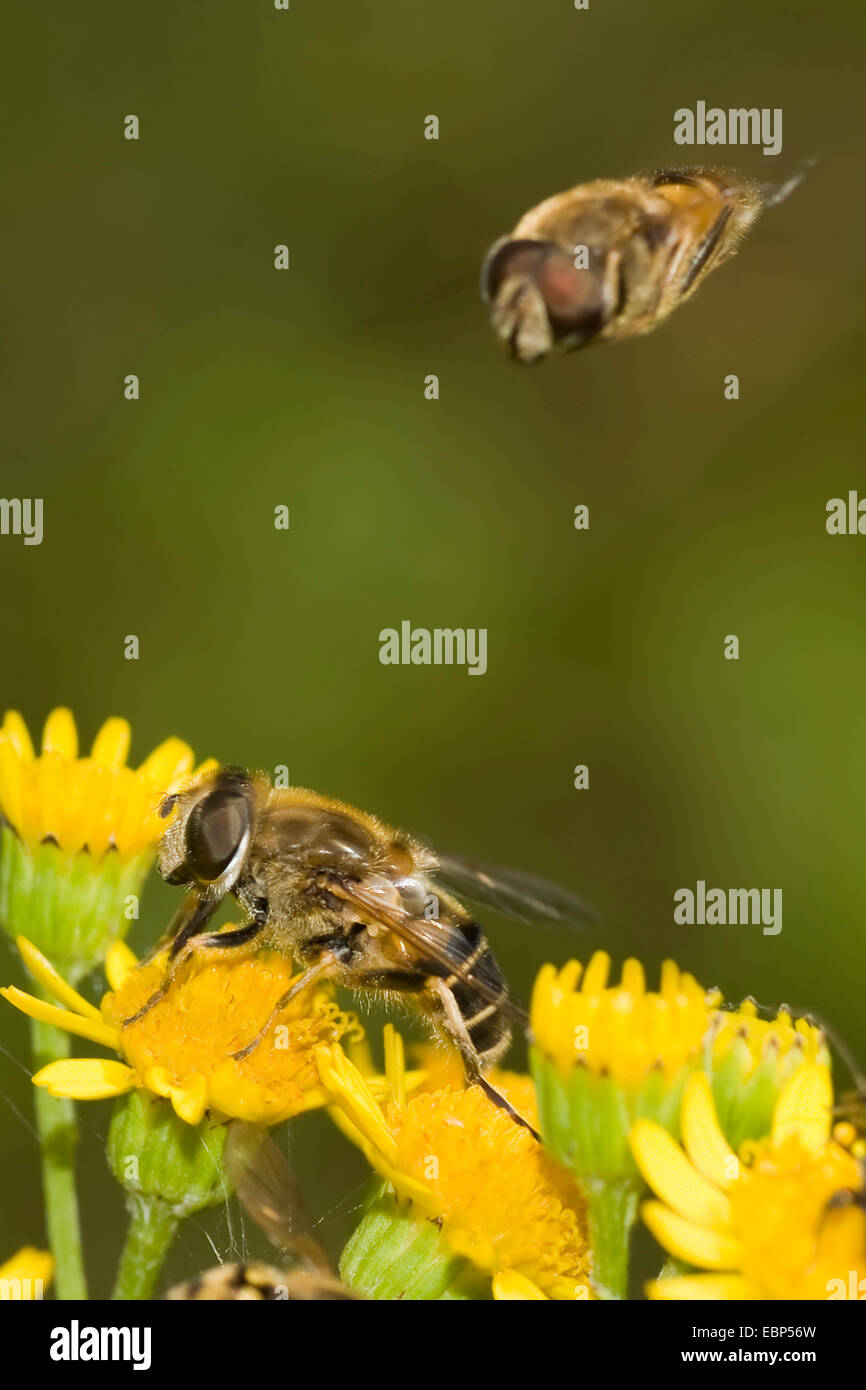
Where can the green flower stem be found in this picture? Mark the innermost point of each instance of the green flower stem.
(152, 1226)
(612, 1208)
(58, 1136)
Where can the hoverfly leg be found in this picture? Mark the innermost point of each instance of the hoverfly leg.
(145, 1008)
(459, 1033)
(318, 972)
(499, 1100)
(237, 937)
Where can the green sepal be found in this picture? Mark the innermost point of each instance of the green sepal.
(745, 1092)
(397, 1253)
(153, 1153)
(586, 1118)
(70, 906)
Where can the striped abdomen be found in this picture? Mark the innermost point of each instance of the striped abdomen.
(487, 1027)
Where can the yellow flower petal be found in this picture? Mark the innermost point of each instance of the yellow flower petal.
(359, 1100)
(97, 1032)
(60, 734)
(511, 1287)
(701, 1287)
(50, 978)
(633, 977)
(27, 1264)
(395, 1063)
(171, 760)
(111, 745)
(120, 961)
(805, 1108)
(703, 1139)
(669, 1173)
(18, 734)
(693, 1244)
(86, 1078)
(11, 785)
(597, 972)
(189, 1101)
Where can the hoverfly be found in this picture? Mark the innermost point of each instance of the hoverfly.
(270, 1194)
(613, 258)
(351, 900)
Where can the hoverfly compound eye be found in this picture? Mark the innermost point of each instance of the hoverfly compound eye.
(509, 257)
(167, 806)
(215, 832)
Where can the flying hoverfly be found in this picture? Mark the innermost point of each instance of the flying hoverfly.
(352, 900)
(613, 258)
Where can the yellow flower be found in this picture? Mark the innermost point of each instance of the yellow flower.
(749, 1059)
(441, 1068)
(95, 802)
(622, 1031)
(606, 1053)
(181, 1048)
(460, 1166)
(801, 1040)
(77, 834)
(25, 1275)
(767, 1224)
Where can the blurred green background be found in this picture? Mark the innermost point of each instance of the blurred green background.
(306, 388)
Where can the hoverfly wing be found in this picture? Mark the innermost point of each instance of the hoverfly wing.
(271, 1195)
(437, 941)
(521, 896)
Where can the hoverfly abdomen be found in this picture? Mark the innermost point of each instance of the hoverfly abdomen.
(488, 1028)
(484, 1024)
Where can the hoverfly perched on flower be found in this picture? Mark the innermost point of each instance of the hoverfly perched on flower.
(351, 900)
(613, 258)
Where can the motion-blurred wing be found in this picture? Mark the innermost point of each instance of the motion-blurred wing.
(271, 1195)
(525, 897)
